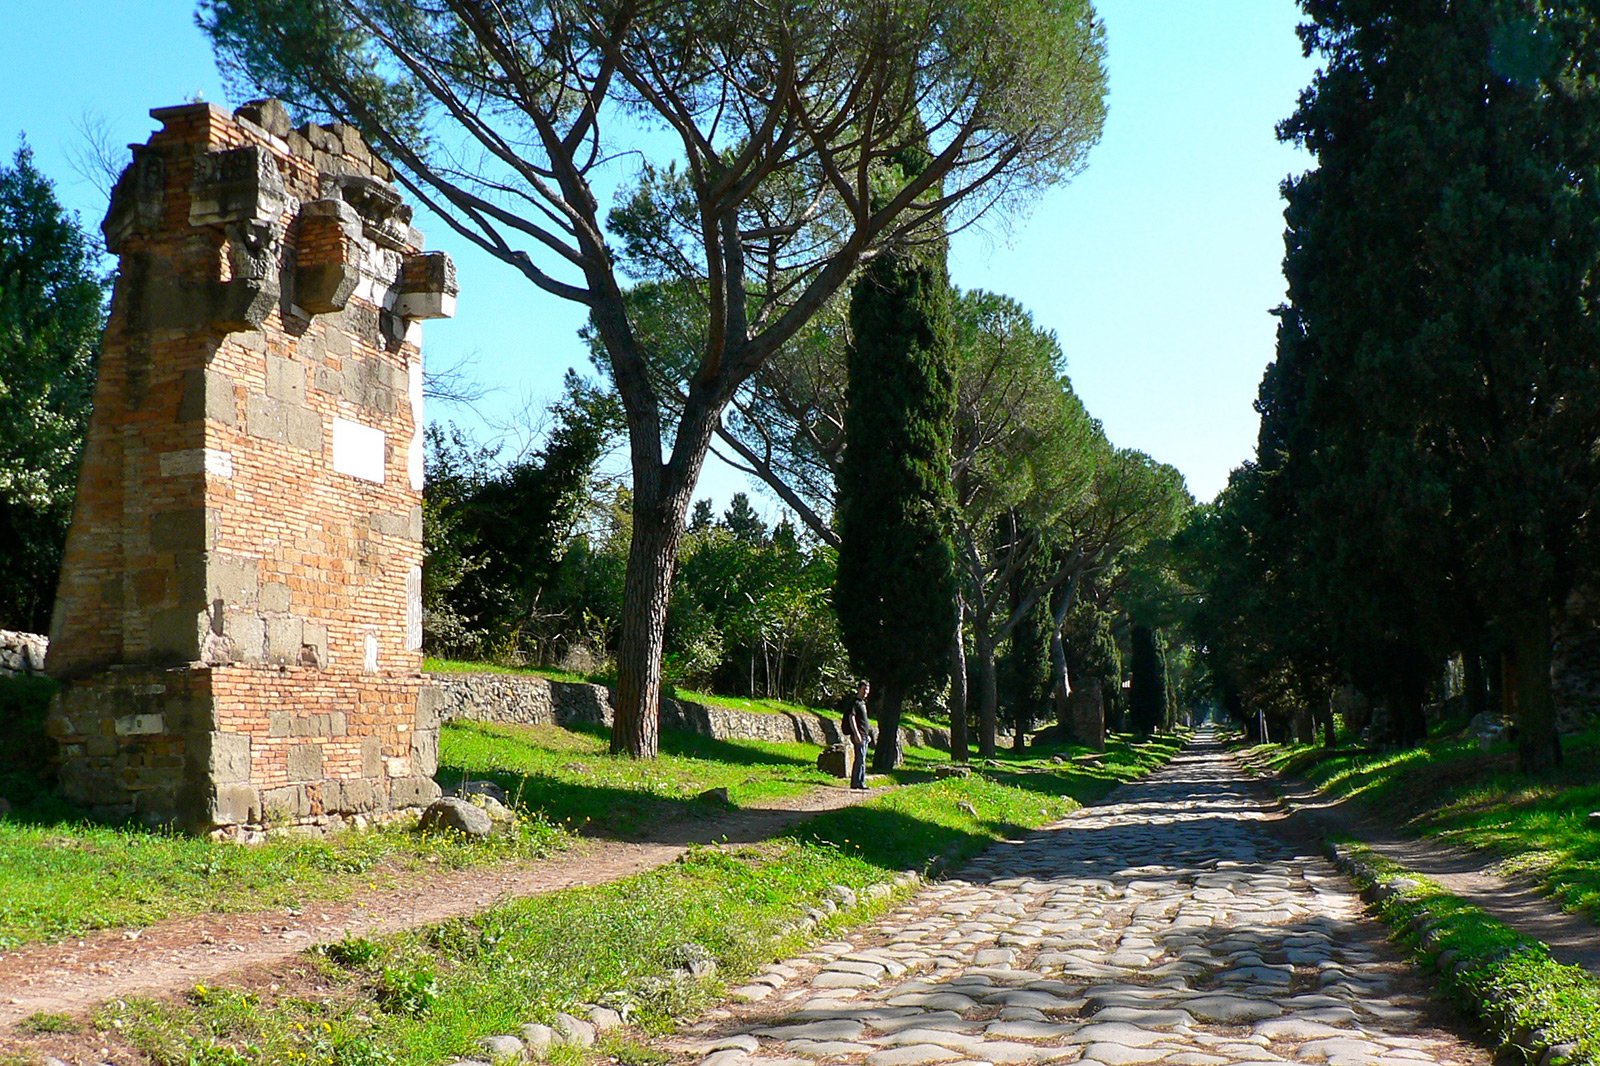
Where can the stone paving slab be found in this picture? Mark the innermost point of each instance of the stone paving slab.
(1170, 926)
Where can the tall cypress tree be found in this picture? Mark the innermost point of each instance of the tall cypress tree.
(1443, 264)
(896, 583)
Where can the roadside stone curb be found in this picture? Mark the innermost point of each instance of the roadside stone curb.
(536, 1041)
(1533, 1046)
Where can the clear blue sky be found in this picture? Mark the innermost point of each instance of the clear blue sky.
(1156, 268)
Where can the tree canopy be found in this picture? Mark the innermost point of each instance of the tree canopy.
(764, 130)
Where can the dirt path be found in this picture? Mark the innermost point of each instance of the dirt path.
(1472, 875)
(170, 956)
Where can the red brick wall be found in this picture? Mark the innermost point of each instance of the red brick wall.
(246, 546)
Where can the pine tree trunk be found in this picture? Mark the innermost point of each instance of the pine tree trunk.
(1408, 724)
(1473, 683)
(886, 753)
(1325, 720)
(661, 495)
(958, 693)
(651, 555)
(1528, 685)
(988, 697)
(1060, 682)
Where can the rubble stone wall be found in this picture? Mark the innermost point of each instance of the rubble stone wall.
(239, 614)
(525, 699)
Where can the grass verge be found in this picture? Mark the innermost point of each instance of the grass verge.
(425, 996)
(1451, 789)
(1530, 1002)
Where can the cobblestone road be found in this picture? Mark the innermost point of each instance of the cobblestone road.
(1169, 926)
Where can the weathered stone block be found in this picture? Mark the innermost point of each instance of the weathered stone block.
(305, 762)
(237, 185)
(185, 530)
(280, 724)
(303, 428)
(265, 417)
(372, 757)
(138, 200)
(229, 760)
(234, 804)
(247, 633)
(269, 114)
(178, 633)
(425, 751)
(413, 791)
(275, 597)
(288, 803)
(283, 639)
(357, 795)
(286, 380)
(428, 286)
(232, 579)
(207, 394)
(430, 702)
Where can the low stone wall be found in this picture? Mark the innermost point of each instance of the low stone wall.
(21, 654)
(525, 699)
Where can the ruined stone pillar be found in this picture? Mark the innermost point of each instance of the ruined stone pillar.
(239, 620)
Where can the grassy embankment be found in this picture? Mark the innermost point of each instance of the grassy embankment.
(426, 996)
(1525, 998)
(62, 875)
(1450, 789)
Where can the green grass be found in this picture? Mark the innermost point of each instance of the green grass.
(1494, 971)
(426, 996)
(62, 876)
(569, 775)
(432, 665)
(1452, 790)
(66, 878)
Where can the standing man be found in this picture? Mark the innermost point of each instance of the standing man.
(856, 728)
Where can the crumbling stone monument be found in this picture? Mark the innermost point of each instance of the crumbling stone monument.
(239, 619)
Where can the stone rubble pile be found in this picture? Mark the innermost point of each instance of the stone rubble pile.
(22, 654)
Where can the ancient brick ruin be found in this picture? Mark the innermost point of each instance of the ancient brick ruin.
(239, 615)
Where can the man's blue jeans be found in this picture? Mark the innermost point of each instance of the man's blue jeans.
(858, 769)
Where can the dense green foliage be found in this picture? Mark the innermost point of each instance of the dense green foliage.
(52, 298)
(1427, 469)
(496, 534)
